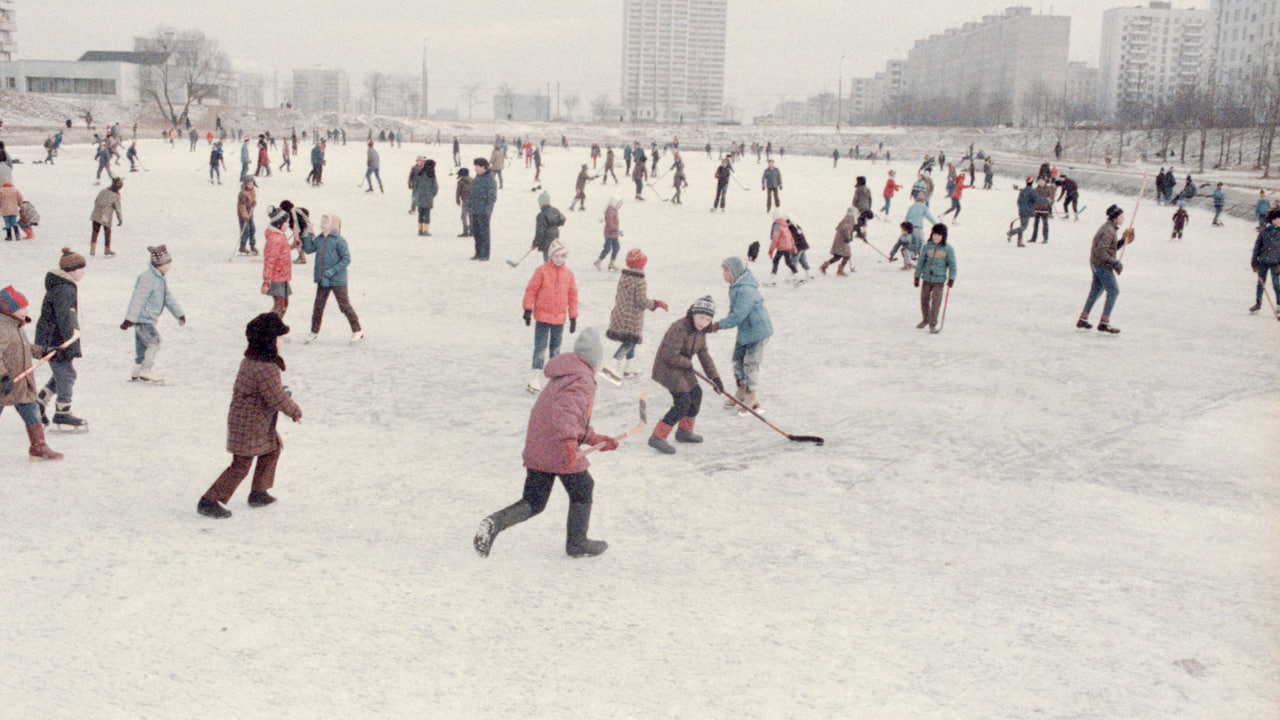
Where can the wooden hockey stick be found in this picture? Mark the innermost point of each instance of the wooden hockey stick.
(794, 438)
(644, 423)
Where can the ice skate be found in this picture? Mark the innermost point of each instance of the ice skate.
(535, 382)
(356, 337)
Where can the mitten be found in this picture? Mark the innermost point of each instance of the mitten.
(951, 283)
(718, 384)
(126, 324)
(1127, 236)
(1117, 266)
(182, 320)
(6, 384)
(660, 304)
(573, 325)
(917, 282)
(266, 288)
(528, 316)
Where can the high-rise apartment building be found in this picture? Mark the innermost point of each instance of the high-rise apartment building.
(673, 59)
(1148, 54)
(321, 89)
(8, 31)
(1006, 57)
(1246, 41)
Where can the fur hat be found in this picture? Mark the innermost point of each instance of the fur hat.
(588, 345)
(117, 183)
(1114, 212)
(1275, 213)
(636, 259)
(939, 229)
(70, 261)
(544, 199)
(277, 216)
(705, 305)
(261, 332)
(11, 301)
(463, 172)
(160, 255)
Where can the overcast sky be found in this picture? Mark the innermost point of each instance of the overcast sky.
(774, 49)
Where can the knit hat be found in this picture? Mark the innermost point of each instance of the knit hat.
(939, 229)
(117, 183)
(544, 198)
(463, 172)
(636, 259)
(70, 261)
(160, 255)
(1114, 212)
(557, 251)
(11, 301)
(853, 212)
(277, 216)
(705, 305)
(588, 346)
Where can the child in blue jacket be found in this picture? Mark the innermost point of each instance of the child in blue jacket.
(747, 313)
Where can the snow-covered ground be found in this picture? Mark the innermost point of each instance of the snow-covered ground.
(1009, 519)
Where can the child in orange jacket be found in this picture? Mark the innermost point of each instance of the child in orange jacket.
(552, 294)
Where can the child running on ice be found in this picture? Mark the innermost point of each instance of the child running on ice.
(747, 313)
(611, 234)
(782, 246)
(673, 370)
(59, 320)
(17, 354)
(559, 424)
(626, 322)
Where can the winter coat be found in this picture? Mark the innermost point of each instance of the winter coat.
(277, 262)
(1103, 252)
(246, 201)
(1027, 201)
(581, 184)
(10, 200)
(497, 160)
(844, 236)
(463, 191)
(560, 420)
(1044, 199)
(244, 154)
(547, 227)
(937, 263)
(673, 364)
(1219, 198)
(1262, 208)
(317, 155)
(424, 189)
(611, 222)
(150, 298)
(484, 193)
(862, 198)
(771, 179)
(372, 161)
(626, 322)
(107, 202)
(959, 187)
(1180, 218)
(722, 174)
(780, 238)
(332, 258)
(551, 292)
(1266, 249)
(59, 314)
(256, 398)
(746, 307)
(917, 214)
(15, 357)
(891, 187)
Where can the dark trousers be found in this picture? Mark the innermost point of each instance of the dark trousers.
(264, 476)
(480, 231)
(1040, 219)
(771, 198)
(1070, 204)
(684, 405)
(538, 484)
(344, 304)
(721, 190)
(781, 255)
(930, 301)
(106, 235)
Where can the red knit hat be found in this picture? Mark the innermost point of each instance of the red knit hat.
(11, 301)
(636, 259)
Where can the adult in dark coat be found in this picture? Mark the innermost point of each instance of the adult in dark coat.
(256, 399)
(484, 193)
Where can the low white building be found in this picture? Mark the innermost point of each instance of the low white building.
(114, 81)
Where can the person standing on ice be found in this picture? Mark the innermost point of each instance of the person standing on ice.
(484, 193)
(457, 152)
(1042, 209)
(678, 182)
(546, 226)
(1179, 220)
(612, 232)
(373, 167)
(216, 163)
(103, 156)
(673, 370)
(937, 266)
(608, 167)
(638, 173)
(264, 160)
(917, 214)
(550, 296)
(257, 398)
(861, 195)
(461, 194)
(106, 205)
(425, 188)
(59, 320)
(1027, 199)
(330, 275)
(316, 176)
(580, 196)
(840, 250)
(1105, 266)
(891, 187)
(151, 297)
(1219, 201)
(497, 159)
(244, 159)
(246, 202)
(771, 183)
(722, 184)
(10, 208)
(747, 313)
(17, 355)
(277, 270)
(132, 156)
(1266, 258)
(559, 424)
(1261, 209)
(626, 321)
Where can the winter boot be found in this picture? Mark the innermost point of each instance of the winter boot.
(497, 522)
(426, 229)
(209, 508)
(658, 440)
(1084, 324)
(260, 498)
(39, 450)
(1256, 306)
(685, 432)
(1104, 325)
(63, 416)
(137, 372)
(42, 399)
(823, 268)
(739, 393)
(576, 544)
(749, 399)
(28, 233)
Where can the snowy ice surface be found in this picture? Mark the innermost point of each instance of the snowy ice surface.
(1009, 519)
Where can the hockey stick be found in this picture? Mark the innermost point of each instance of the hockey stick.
(1136, 205)
(644, 423)
(873, 247)
(1262, 280)
(735, 179)
(655, 192)
(942, 317)
(794, 438)
(75, 335)
(522, 257)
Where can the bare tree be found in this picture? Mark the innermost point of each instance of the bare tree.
(600, 108)
(374, 83)
(471, 96)
(508, 95)
(190, 69)
(570, 104)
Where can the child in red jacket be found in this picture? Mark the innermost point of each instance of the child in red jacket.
(277, 267)
(552, 294)
(559, 424)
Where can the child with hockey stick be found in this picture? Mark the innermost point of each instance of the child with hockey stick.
(611, 234)
(559, 424)
(626, 322)
(151, 297)
(908, 243)
(673, 370)
(552, 293)
(1266, 258)
(277, 268)
(1105, 267)
(546, 226)
(747, 313)
(840, 251)
(937, 266)
(782, 246)
(17, 354)
(59, 320)
(1179, 220)
(257, 397)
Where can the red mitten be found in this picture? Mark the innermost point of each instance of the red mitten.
(660, 304)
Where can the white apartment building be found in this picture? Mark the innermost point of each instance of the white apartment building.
(673, 59)
(1007, 55)
(1148, 53)
(321, 89)
(8, 31)
(1246, 42)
